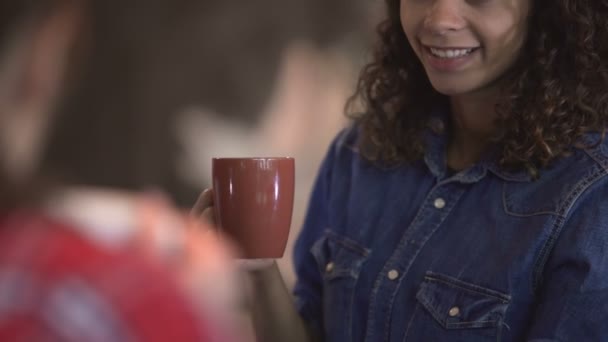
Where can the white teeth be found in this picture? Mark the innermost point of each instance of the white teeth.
(450, 53)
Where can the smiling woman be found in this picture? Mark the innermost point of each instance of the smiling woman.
(541, 115)
(465, 47)
(468, 200)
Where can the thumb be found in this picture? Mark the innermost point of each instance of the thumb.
(204, 201)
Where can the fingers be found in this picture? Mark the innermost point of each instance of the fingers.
(203, 208)
(209, 216)
(204, 201)
(252, 265)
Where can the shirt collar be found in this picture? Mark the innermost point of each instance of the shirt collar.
(436, 139)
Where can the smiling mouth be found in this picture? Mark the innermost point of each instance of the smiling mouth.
(450, 53)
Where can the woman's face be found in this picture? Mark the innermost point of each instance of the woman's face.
(465, 45)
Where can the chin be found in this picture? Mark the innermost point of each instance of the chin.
(452, 88)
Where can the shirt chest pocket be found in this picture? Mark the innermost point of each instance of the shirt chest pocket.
(453, 310)
(339, 260)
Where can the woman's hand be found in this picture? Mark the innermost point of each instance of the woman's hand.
(203, 211)
(203, 208)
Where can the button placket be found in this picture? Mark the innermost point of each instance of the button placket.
(415, 237)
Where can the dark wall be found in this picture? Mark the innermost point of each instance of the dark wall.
(147, 59)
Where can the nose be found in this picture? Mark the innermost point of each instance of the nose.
(444, 16)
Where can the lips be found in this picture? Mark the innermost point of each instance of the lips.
(448, 59)
(450, 52)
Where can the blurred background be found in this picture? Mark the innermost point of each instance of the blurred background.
(175, 83)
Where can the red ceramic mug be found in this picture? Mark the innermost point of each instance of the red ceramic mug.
(253, 201)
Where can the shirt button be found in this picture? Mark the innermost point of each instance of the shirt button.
(439, 203)
(393, 274)
(437, 126)
(329, 267)
(455, 311)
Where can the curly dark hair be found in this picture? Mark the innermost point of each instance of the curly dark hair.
(556, 91)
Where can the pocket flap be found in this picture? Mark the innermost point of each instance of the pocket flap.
(457, 305)
(338, 256)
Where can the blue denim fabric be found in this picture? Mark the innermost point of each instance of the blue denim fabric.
(414, 253)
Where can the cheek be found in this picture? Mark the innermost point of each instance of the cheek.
(503, 44)
(407, 23)
(411, 37)
(506, 32)
(410, 33)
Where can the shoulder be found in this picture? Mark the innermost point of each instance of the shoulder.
(63, 270)
(346, 142)
(563, 184)
(580, 232)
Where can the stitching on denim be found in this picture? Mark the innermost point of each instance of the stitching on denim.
(399, 250)
(349, 320)
(403, 244)
(427, 305)
(348, 243)
(439, 317)
(505, 177)
(409, 324)
(557, 228)
(500, 328)
(469, 323)
(580, 188)
(315, 250)
(339, 272)
(376, 287)
(509, 212)
(372, 308)
(570, 199)
(503, 298)
(603, 162)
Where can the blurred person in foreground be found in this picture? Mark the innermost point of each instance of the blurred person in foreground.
(82, 262)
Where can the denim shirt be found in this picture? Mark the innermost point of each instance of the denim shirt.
(414, 253)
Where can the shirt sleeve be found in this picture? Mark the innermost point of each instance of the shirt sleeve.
(574, 284)
(308, 289)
